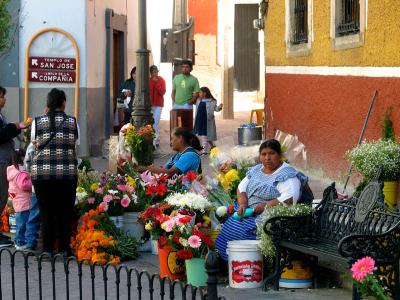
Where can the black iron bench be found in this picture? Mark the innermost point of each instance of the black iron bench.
(339, 232)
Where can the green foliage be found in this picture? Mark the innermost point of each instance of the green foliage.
(126, 247)
(387, 126)
(5, 26)
(368, 157)
(85, 164)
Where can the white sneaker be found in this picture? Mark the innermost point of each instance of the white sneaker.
(20, 248)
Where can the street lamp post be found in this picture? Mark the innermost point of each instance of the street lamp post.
(141, 114)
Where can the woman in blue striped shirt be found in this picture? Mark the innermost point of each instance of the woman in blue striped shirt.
(273, 182)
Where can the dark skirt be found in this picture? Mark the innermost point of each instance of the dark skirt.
(201, 119)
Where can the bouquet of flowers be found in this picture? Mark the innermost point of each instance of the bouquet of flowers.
(154, 216)
(99, 241)
(191, 240)
(368, 157)
(113, 192)
(366, 282)
(140, 143)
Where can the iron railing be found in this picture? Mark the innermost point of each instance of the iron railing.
(349, 17)
(300, 23)
(31, 277)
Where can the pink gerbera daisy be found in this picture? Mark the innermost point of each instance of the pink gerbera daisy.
(194, 241)
(125, 202)
(363, 267)
(107, 198)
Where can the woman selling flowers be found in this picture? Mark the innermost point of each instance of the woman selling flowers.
(270, 183)
(185, 160)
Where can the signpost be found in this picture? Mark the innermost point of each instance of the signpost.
(52, 69)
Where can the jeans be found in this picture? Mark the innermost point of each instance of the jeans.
(182, 106)
(28, 223)
(156, 110)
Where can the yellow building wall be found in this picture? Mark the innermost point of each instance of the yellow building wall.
(381, 44)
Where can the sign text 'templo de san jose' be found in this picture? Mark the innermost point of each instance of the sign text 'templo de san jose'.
(52, 69)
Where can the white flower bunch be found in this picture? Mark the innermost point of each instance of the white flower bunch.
(188, 200)
(368, 157)
(81, 196)
(244, 157)
(221, 211)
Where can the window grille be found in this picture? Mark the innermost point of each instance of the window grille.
(349, 17)
(300, 23)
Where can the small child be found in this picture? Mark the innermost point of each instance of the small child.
(20, 191)
(204, 125)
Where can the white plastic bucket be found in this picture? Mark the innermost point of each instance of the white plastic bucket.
(245, 264)
(131, 225)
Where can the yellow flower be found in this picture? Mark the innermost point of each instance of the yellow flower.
(130, 181)
(148, 226)
(232, 175)
(214, 151)
(206, 219)
(80, 189)
(94, 187)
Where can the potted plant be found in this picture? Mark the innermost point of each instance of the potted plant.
(368, 157)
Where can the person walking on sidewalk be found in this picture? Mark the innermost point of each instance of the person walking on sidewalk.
(127, 94)
(204, 125)
(8, 131)
(54, 171)
(157, 91)
(20, 190)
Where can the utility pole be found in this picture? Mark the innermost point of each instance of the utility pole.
(141, 114)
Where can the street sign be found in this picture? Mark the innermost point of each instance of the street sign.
(52, 76)
(52, 63)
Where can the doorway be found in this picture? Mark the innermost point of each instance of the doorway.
(247, 48)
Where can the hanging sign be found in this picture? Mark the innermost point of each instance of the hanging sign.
(52, 69)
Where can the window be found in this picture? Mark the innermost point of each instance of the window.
(300, 24)
(348, 23)
(298, 29)
(349, 17)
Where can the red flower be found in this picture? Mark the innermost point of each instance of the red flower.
(190, 176)
(162, 218)
(175, 238)
(163, 178)
(184, 254)
(162, 241)
(161, 189)
(150, 190)
(185, 219)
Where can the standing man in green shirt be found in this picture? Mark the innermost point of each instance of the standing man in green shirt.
(186, 88)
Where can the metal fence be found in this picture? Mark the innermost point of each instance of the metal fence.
(28, 276)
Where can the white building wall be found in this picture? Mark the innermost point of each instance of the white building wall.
(39, 14)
